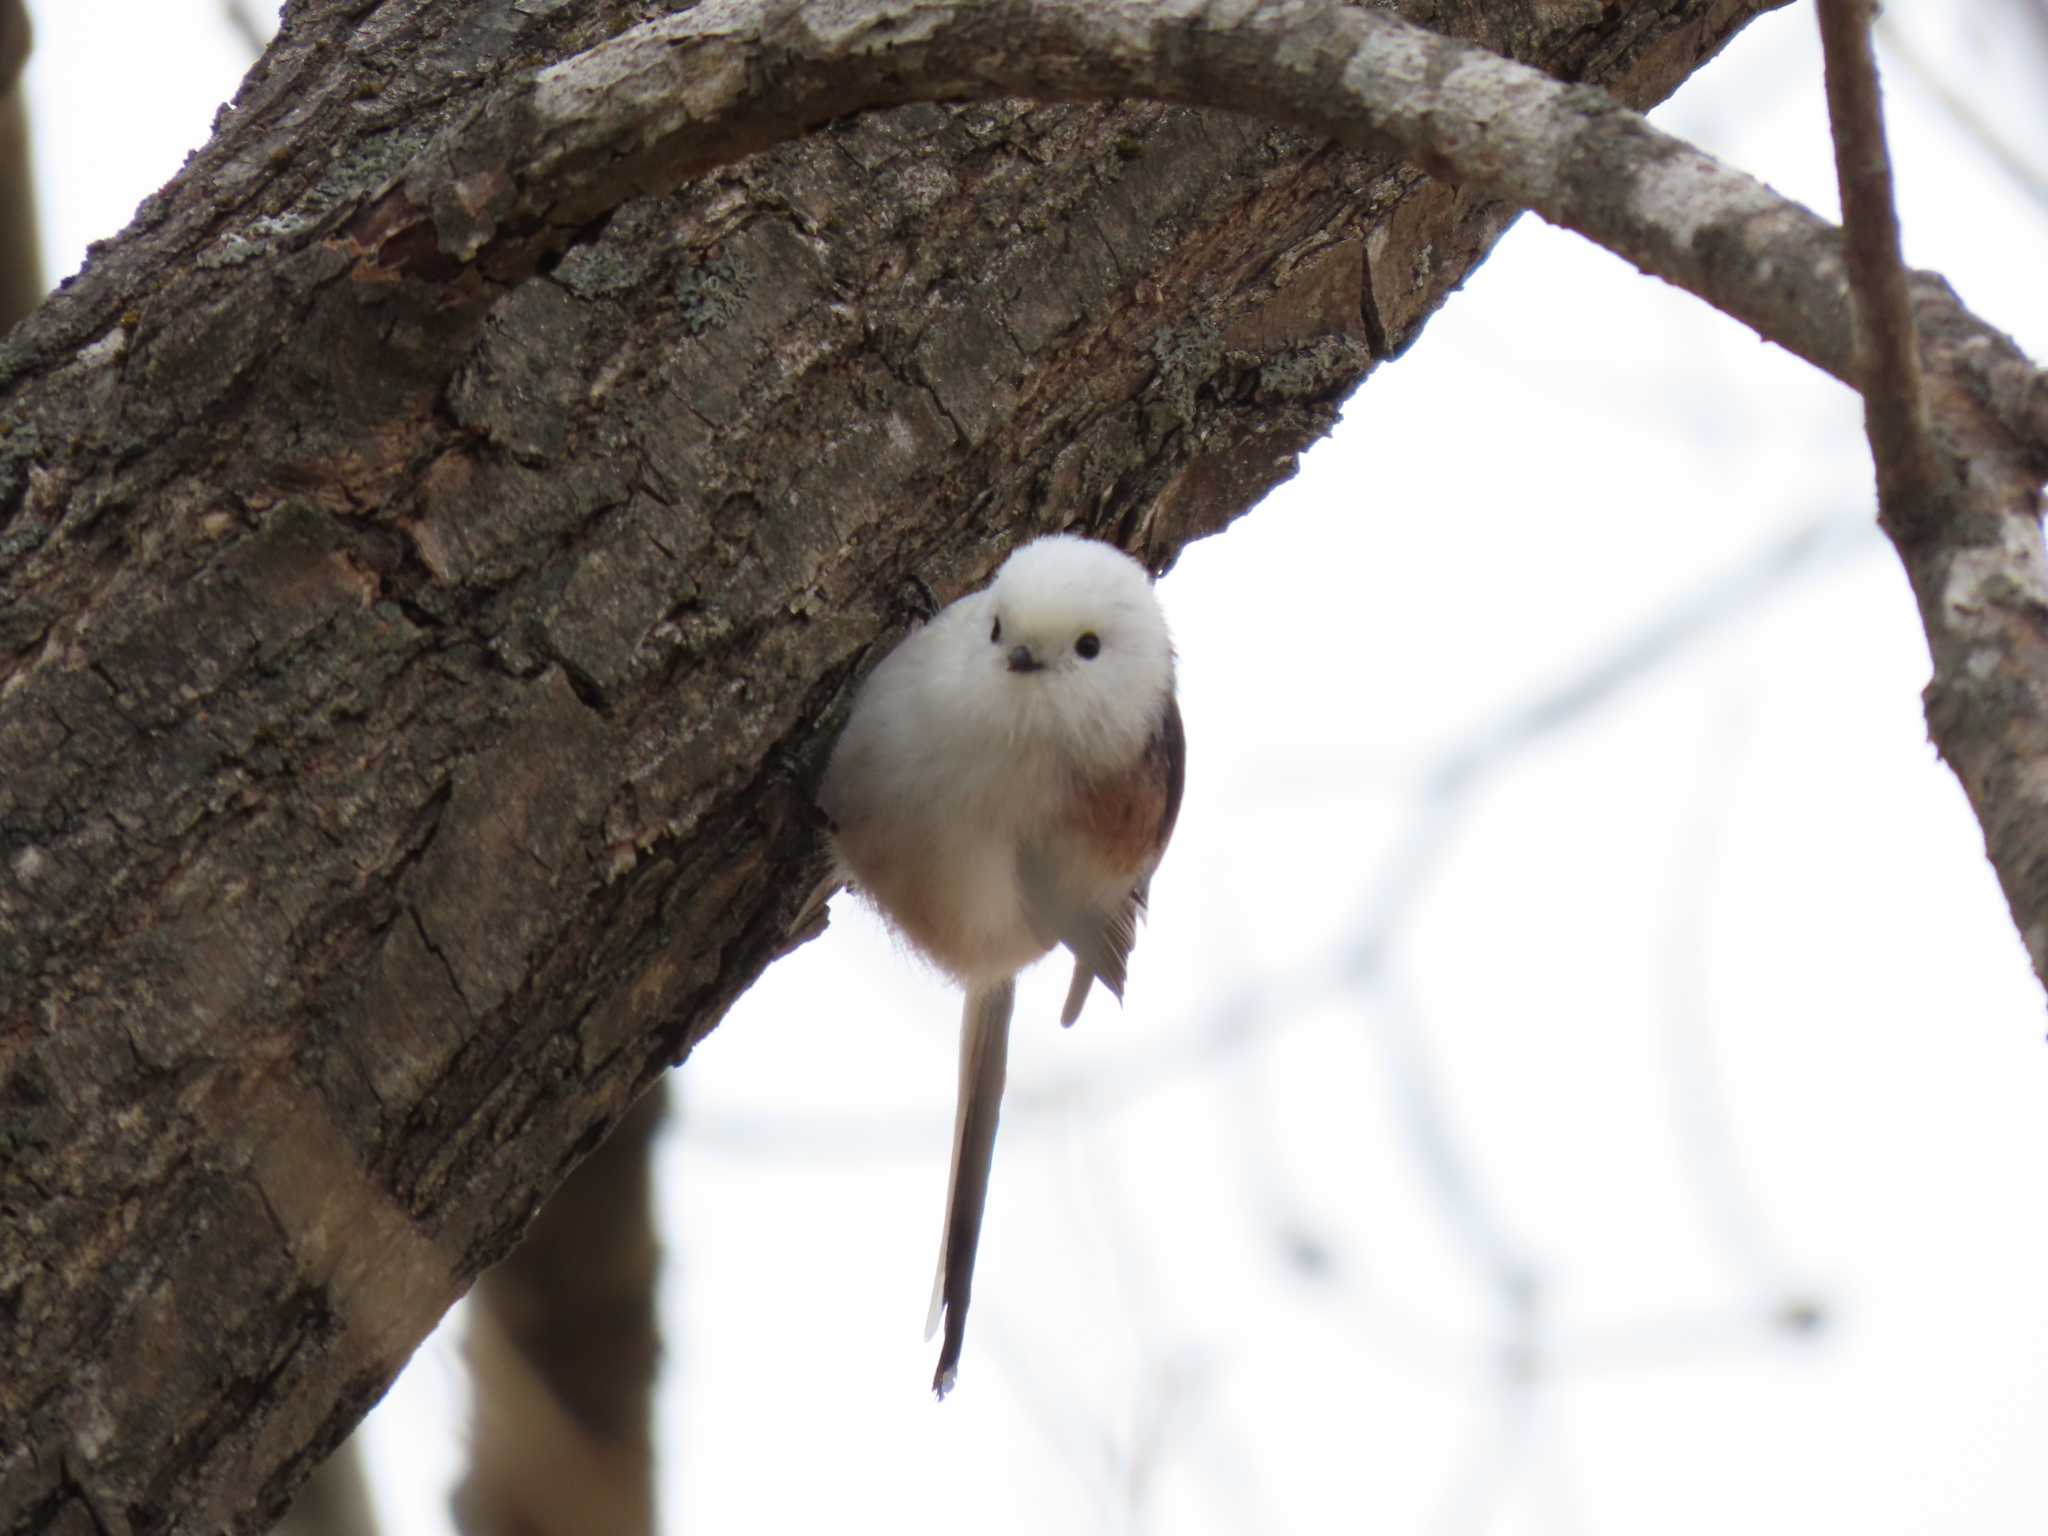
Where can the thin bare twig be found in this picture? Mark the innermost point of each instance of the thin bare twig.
(689, 91)
(1887, 345)
(2037, 12)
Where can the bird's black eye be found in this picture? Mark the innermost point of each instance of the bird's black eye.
(995, 634)
(1089, 645)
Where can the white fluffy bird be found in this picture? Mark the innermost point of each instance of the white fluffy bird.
(1006, 783)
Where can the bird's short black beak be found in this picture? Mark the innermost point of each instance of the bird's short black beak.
(1021, 660)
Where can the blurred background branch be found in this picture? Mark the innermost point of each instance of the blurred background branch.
(335, 1500)
(21, 265)
(563, 1344)
(2024, 172)
(253, 29)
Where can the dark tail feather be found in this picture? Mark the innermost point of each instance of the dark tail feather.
(984, 1050)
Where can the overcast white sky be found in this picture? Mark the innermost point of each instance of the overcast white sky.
(1469, 1134)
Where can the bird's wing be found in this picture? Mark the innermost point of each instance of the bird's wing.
(1102, 950)
(984, 1051)
(1167, 751)
(1100, 941)
(1138, 811)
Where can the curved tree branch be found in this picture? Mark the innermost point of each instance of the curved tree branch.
(680, 95)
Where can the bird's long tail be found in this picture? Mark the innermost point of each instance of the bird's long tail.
(984, 1049)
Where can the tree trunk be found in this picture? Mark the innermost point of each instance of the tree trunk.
(412, 660)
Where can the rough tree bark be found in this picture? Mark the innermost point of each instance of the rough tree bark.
(412, 646)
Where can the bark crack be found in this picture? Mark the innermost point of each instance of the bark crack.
(447, 965)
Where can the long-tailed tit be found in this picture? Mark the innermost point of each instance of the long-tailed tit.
(1007, 783)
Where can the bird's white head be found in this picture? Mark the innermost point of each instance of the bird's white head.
(1078, 647)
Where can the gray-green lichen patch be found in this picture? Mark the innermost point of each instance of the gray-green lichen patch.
(1326, 368)
(709, 292)
(1186, 361)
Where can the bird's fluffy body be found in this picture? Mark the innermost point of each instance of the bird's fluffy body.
(954, 761)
